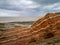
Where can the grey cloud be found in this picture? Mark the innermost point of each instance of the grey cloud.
(10, 6)
(4, 4)
(17, 5)
(46, 2)
(28, 7)
(48, 6)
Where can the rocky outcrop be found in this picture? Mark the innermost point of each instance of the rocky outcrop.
(45, 29)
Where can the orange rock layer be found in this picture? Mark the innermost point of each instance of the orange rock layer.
(45, 29)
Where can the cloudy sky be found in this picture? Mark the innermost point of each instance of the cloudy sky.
(28, 7)
(16, 8)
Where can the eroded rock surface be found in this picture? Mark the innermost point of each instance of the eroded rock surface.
(44, 29)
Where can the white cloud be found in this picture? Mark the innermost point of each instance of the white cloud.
(17, 7)
(22, 3)
(25, 7)
(55, 6)
(6, 13)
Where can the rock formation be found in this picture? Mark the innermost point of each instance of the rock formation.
(45, 29)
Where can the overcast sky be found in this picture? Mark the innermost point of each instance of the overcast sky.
(16, 8)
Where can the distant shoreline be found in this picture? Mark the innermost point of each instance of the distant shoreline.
(17, 19)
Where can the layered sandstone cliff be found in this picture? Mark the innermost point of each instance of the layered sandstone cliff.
(44, 29)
